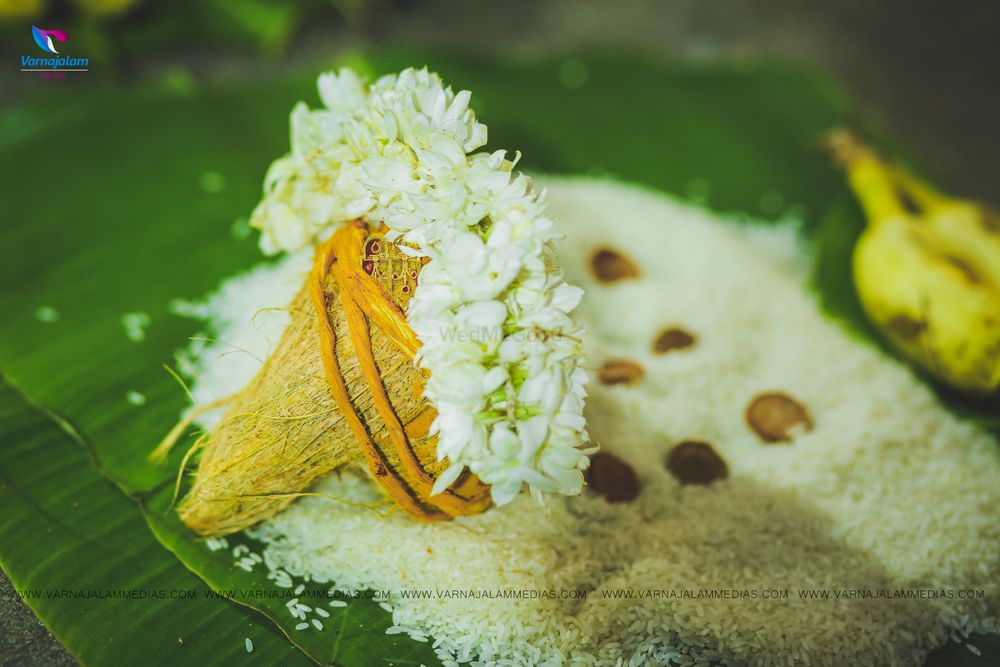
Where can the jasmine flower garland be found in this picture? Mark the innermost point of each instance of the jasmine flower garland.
(490, 309)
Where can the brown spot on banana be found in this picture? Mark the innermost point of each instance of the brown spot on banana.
(990, 220)
(906, 200)
(905, 327)
(968, 272)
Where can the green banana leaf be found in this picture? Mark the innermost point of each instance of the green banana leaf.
(118, 202)
(73, 543)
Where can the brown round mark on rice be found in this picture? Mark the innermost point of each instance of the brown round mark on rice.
(620, 371)
(610, 265)
(673, 338)
(776, 417)
(694, 462)
(612, 478)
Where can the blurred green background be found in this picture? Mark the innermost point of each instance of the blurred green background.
(927, 73)
(928, 70)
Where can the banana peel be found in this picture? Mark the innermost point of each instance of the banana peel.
(926, 269)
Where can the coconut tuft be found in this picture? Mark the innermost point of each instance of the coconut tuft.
(285, 429)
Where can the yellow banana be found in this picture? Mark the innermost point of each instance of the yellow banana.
(22, 9)
(927, 269)
(106, 7)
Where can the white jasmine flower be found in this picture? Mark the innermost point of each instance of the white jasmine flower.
(342, 92)
(494, 379)
(482, 319)
(566, 297)
(459, 384)
(504, 356)
(461, 436)
(502, 266)
(286, 231)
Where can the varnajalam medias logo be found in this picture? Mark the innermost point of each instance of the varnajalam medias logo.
(44, 38)
(56, 67)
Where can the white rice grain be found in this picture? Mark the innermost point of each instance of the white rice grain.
(888, 492)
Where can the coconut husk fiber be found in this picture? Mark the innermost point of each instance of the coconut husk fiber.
(286, 428)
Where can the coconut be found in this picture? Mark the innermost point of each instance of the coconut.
(432, 339)
(286, 427)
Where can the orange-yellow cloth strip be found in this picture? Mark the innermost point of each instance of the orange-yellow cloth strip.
(348, 245)
(377, 463)
(468, 486)
(419, 478)
(380, 309)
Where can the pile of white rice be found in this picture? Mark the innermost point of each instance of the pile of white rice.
(889, 507)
